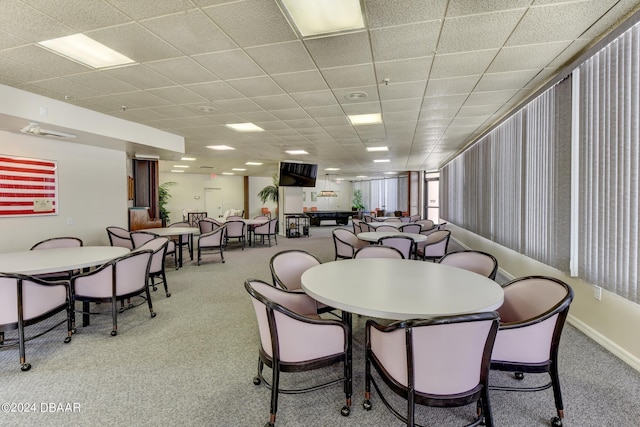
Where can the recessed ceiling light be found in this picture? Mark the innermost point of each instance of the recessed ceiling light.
(228, 173)
(253, 164)
(390, 173)
(238, 169)
(244, 127)
(188, 159)
(85, 50)
(315, 18)
(365, 119)
(332, 169)
(370, 149)
(296, 152)
(220, 147)
(180, 166)
(356, 96)
(381, 161)
(177, 171)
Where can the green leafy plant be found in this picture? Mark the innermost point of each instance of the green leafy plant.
(357, 200)
(163, 199)
(270, 192)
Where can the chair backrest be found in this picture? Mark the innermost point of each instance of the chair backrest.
(426, 224)
(532, 317)
(356, 225)
(261, 217)
(268, 227)
(183, 238)
(207, 225)
(414, 218)
(125, 275)
(119, 237)
(213, 239)
(367, 218)
(235, 228)
(58, 242)
(345, 242)
(378, 251)
(159, 248)
(293, 339)
(476, 261)
(389, 228)
(411, 228)
(402, 243)
(435, 247)
(441, 356)
(36, 297)
(139, 238)
(287, 267)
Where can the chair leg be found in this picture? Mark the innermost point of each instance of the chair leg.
(114, 315)
(146, 289)
(166, 287)
(24, 366)
(557, 394)
(275, 385)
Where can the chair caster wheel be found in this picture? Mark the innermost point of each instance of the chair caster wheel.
(153, 314)
(74, 330)
(556, 422)
(155, 289)
(518, 375)
(256, 381)
(345, 411)
(367, 405)
(114, 333)
(269, 424)
(168, 294)
(25, 367)
(67, 340)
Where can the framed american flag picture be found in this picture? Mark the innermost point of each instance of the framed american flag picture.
(28, 187)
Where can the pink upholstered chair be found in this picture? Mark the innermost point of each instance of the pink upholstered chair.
(139, 238)
(476, 261)
(267, 230)
(402, 243)
(118, 280)
(378, 251)
(236, 229)
(207, 225)
(531, 321)
(441, 362)
(435, 247)
(119, 237)
(156, 269)
(294, 339)
(182, 240)
(357, 228)
(212, 241)
(27, 300)
(427, 226)
(346, 243)
(411, 227)
(57, 242)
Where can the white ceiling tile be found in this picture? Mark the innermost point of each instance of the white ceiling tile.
(284, 57)
(256, 86)
(44, 60)
(276, 102)
(101, 82)
(139, 76)
(405, 41)
(452, 86)
(29, 24)
(402, 90)
(237, 106)
(183, 70)
(215, 91)
(352, 76)
(466, 7)
(406, 70)
(302, 81)
(385, 13)
(314, 99)
(177, 95)
(338, 51)
(140, 9)
(506, 80)
(527, 57)
(462, 64)
(230, 64)
(81, 15)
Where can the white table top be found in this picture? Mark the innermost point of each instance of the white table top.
(396, 224)
(251, 221)
(172, 231)
(58, 259)
(374, 236)
(400, 289)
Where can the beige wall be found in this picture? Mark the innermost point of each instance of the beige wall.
(611, 321)
(92, 192)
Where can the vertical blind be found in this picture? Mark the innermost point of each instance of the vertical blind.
(523, 167)
(609, 97)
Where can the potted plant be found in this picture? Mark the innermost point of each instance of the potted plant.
(357, 205)
(163, 199)
(270, 192)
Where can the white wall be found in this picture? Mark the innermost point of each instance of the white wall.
(255, 204)
(92, 192)
(341, 203)
(188, 193)
(611, 321)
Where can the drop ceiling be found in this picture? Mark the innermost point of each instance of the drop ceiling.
(439, 71)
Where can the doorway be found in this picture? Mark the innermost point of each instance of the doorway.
(432, 196)
(213, 202)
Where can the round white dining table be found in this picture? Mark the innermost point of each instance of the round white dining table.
(55, 260)
(175, 232)
(374, 236)
(400, 289)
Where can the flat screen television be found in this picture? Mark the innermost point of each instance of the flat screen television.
(297, 174)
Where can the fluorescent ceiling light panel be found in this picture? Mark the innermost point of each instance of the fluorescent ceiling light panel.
(227, 173)
(390, 173)
(177, 171)
(85, 50)
(220, 147)
(244, 127)
(381, 161)
(361, 176)
(188, 159)
(371, 149)
(296, 152)
(332, 169)
(238, 169)
(365, 119)
(324, 17)
(180, 166)
(253, 164)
